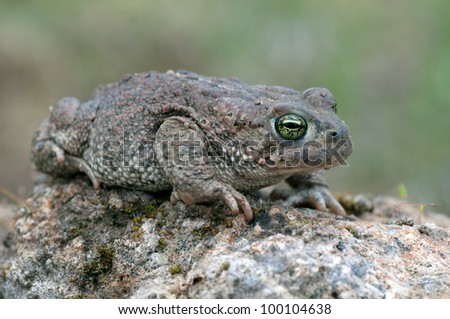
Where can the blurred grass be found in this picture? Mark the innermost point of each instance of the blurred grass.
(387, 62)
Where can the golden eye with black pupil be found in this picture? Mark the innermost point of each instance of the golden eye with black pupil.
(291, 126)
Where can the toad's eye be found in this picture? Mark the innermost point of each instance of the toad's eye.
(291, 126)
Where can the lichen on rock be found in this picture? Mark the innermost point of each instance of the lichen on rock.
(74, 243)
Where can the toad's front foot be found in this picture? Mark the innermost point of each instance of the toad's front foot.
(316, 196)
(212, 191)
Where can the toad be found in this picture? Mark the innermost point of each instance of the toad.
(203, 138)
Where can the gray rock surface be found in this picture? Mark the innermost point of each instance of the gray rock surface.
(71, 242)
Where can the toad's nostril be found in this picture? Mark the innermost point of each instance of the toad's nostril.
(334, 134)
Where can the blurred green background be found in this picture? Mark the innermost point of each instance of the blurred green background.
(387, 63)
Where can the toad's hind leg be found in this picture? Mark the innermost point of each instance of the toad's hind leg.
(50, 158)
(84, 167)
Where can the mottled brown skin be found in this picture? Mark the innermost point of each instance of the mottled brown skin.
(204, 138)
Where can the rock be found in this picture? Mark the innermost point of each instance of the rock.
(7, 219)
(74, 243)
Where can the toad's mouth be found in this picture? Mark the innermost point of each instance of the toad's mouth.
(312, 156)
